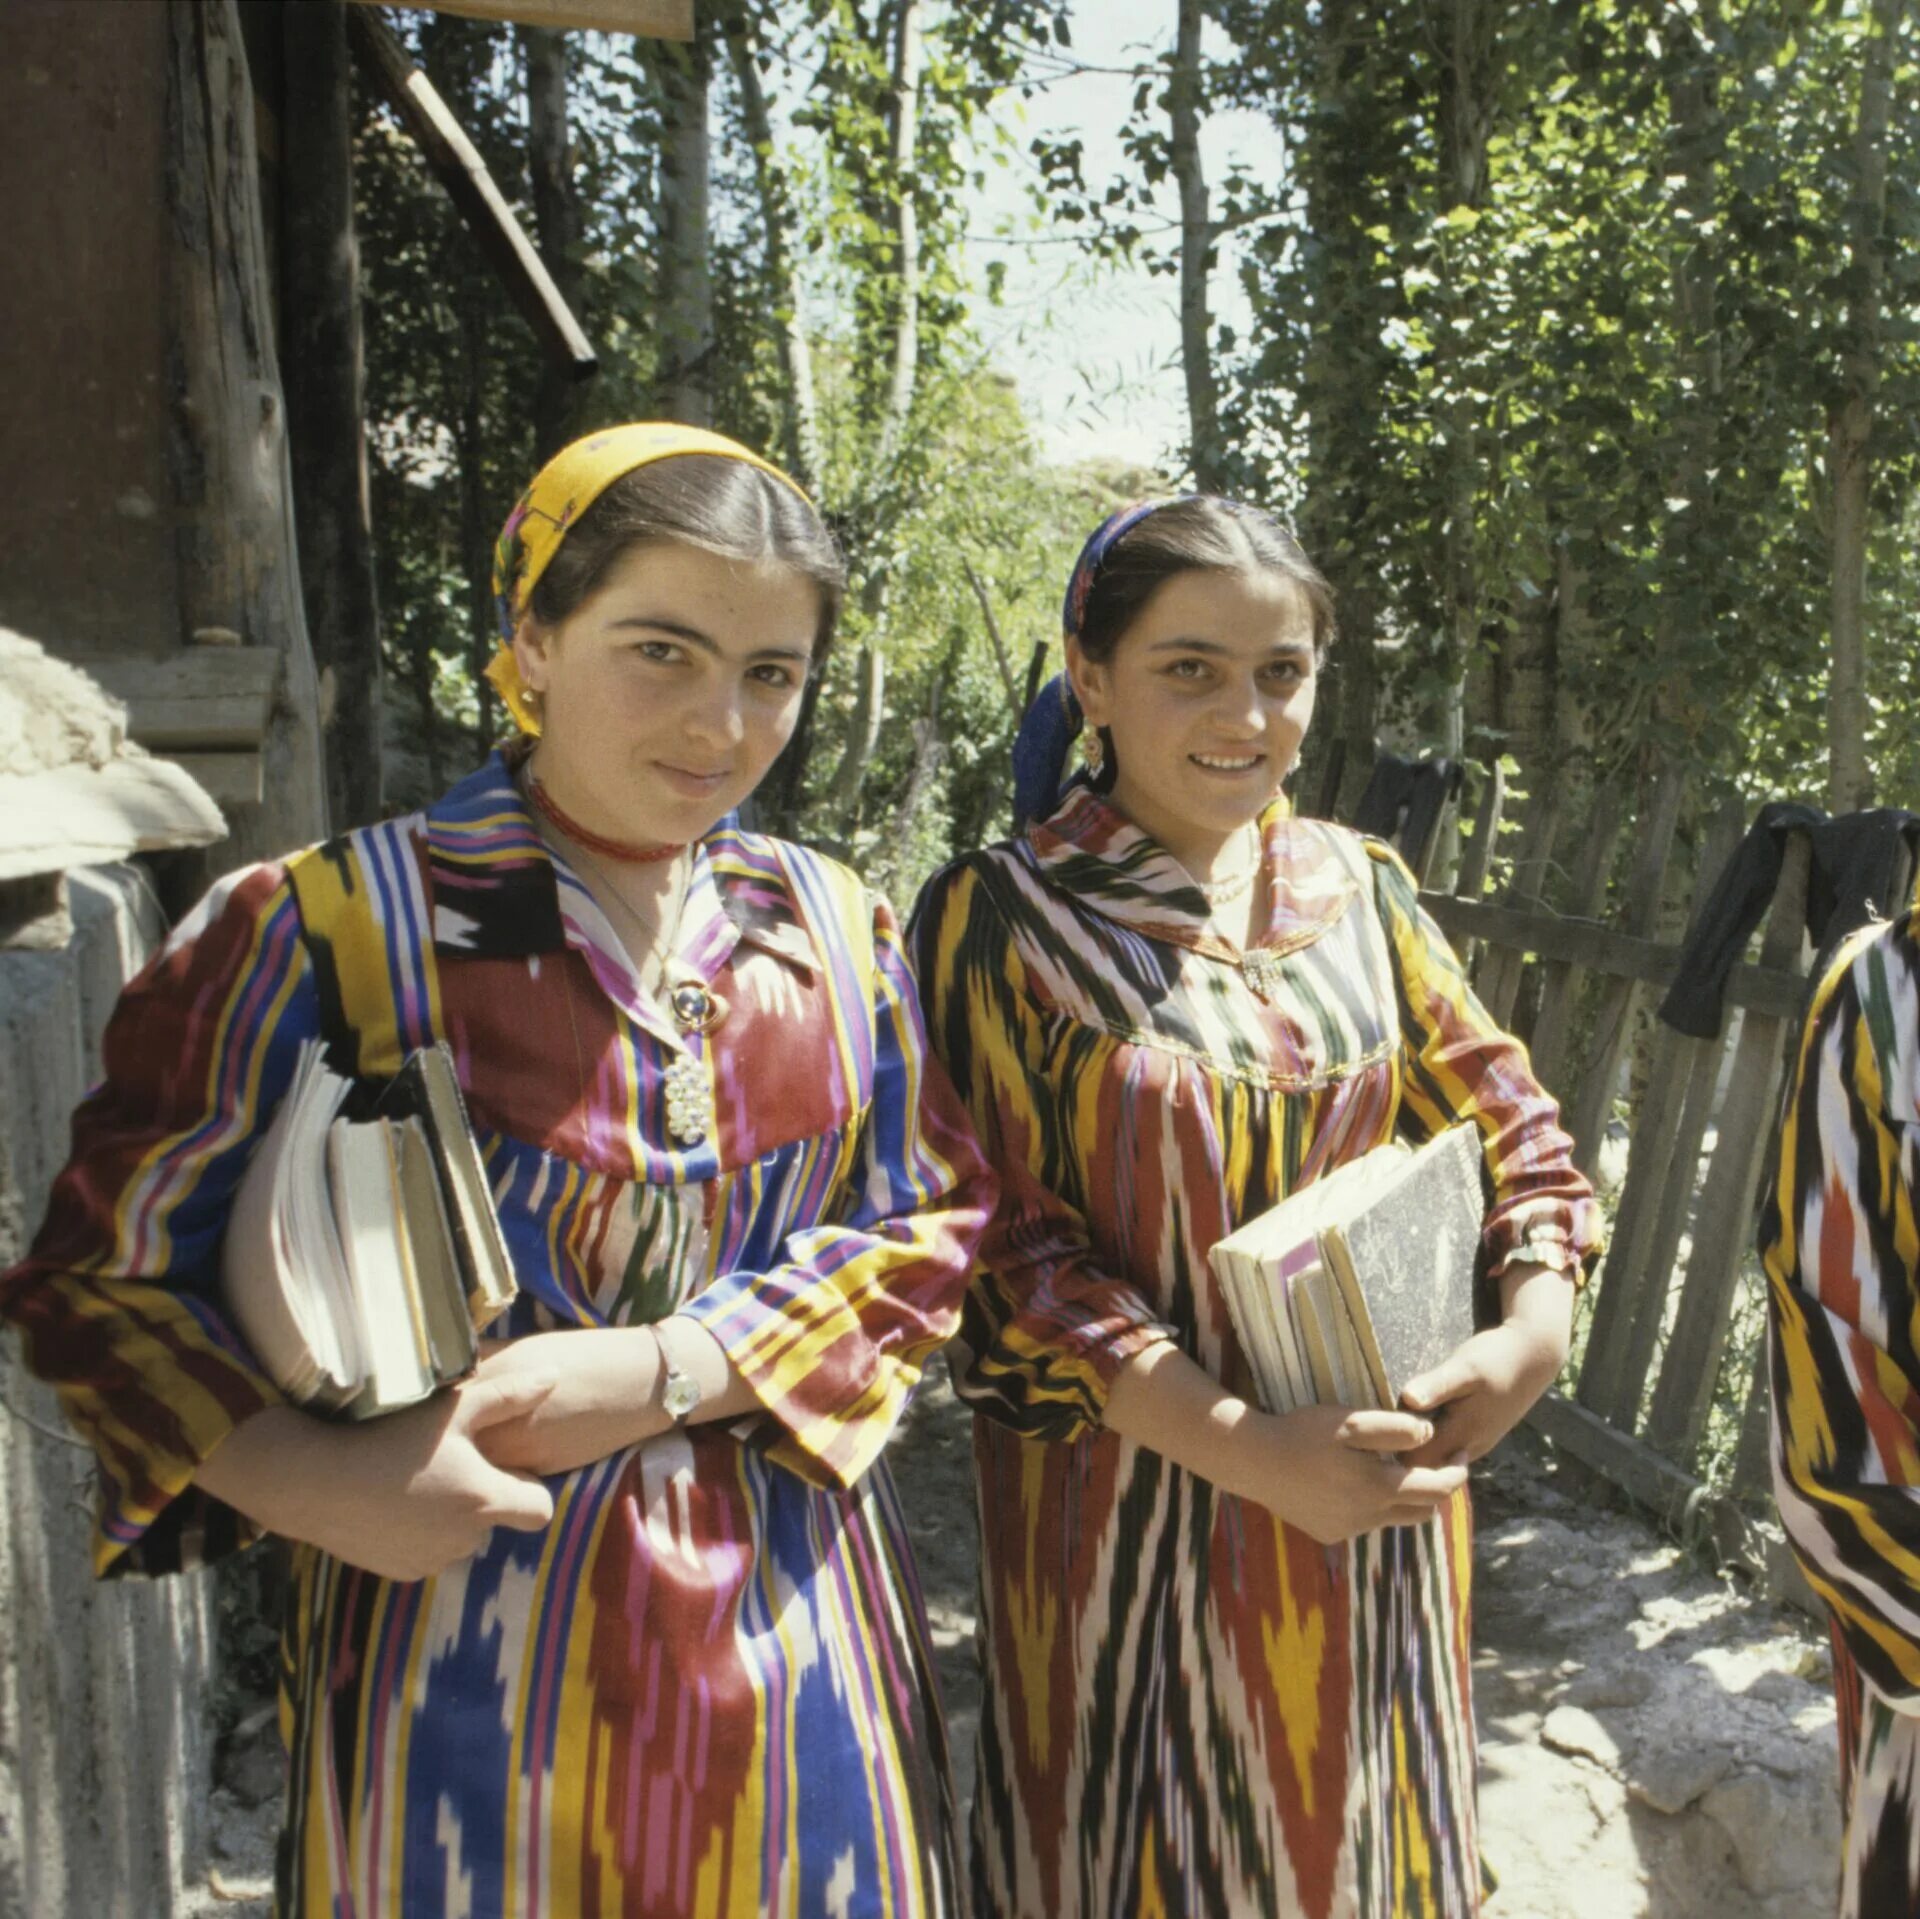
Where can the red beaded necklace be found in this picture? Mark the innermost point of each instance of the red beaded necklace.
(592, 841)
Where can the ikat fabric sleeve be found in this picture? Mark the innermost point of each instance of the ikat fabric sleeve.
(1840, 1241)
(1457, 1064)
(832, 1338)
(1045, 1330)
(117, 1300)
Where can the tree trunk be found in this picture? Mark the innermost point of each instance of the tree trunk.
(1850, 424)
(476, 530)
(1340, 385)
(904, 128)
(326, 402)
(556, 213)
(1206, 453)
(684, 381)
(232, 485)
(1469, 36)
(1687, 557)
(799, 411)
(863, 734)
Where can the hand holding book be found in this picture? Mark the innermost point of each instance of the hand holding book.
(1481, 1390)
(404, 1496)
(1331, 1471)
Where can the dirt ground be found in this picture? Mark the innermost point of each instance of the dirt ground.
(1654, 1742)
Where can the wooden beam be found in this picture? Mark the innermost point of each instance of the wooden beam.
(228, 779)
(649, 19)
(205, 697)
(457, 165)
(1600, 949)
(1689, 1510)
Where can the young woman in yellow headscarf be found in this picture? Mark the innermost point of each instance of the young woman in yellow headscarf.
(625, 1623)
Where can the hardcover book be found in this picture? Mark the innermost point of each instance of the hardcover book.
(364, 1257)
(1350, 1287)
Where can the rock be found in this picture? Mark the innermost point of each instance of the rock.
(1671, 1778)
(1603, 1686)
(1779, 1689)
(1574, 1730)
(1577, 1576)
(1784, 1834)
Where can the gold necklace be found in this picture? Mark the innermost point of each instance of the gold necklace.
(689, 1096)
(659, 943)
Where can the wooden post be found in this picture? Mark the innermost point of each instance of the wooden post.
(1723, 1233)
(683, 318)
(326, 400)
(1613, 1020)
(233, 492)
(556, 213)
(1559, 990)
(1664, 1163)
(1487, 812)
(1499, 982)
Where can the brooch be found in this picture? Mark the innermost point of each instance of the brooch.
(1262, 966)
(696, 1009)
(689, 1101)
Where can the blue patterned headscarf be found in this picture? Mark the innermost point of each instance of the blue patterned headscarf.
(1054, 721)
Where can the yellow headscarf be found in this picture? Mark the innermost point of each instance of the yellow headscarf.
(562, 490)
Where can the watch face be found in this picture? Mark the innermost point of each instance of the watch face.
(681, 1396)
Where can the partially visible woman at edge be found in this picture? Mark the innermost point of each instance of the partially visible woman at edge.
(1226, 1651)
(626, 1623)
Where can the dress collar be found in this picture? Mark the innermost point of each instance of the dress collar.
(498, 891)
(1088, 848)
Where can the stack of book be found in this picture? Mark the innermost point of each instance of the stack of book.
(364, 1258)
(1350, 1287)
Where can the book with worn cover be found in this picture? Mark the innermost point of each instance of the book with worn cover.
(1353, 1285)
(364, 1257)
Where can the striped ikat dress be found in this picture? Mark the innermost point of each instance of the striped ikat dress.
(707, 1687)
(1193, 1709)
(1840, 1238)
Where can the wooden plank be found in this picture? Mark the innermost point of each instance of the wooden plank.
(1600, 949)
(1691, 1511)
(203, 696)
(459, 168)
(228, 779)
(1753, 1459)
(649, 19)
(1652, 1211)
(1675, 1497)
(1477, 861)
(1586, 1118)
(1498, 984)
(1559, 987)
(1723, 1231)
(1629, 1291)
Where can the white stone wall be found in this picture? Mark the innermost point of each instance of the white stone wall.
(104, 1742)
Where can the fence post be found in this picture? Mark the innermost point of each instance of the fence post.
(1499, 983)
(1668, 1125)
(1723, 1231)
(1560, 988)
(1614, 1018)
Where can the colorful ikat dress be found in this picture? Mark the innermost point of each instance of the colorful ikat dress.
(1840, 1237)
(1193, 1709)
(706, 1688)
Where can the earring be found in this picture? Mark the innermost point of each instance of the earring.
(1093, 752)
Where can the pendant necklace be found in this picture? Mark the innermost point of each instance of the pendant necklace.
(694, 1008)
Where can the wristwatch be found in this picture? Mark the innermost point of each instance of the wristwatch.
(680, 1392)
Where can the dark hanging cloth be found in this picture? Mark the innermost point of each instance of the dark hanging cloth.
(1404, 800)
(1856, 865)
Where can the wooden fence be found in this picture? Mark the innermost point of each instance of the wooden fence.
(1572, 983)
